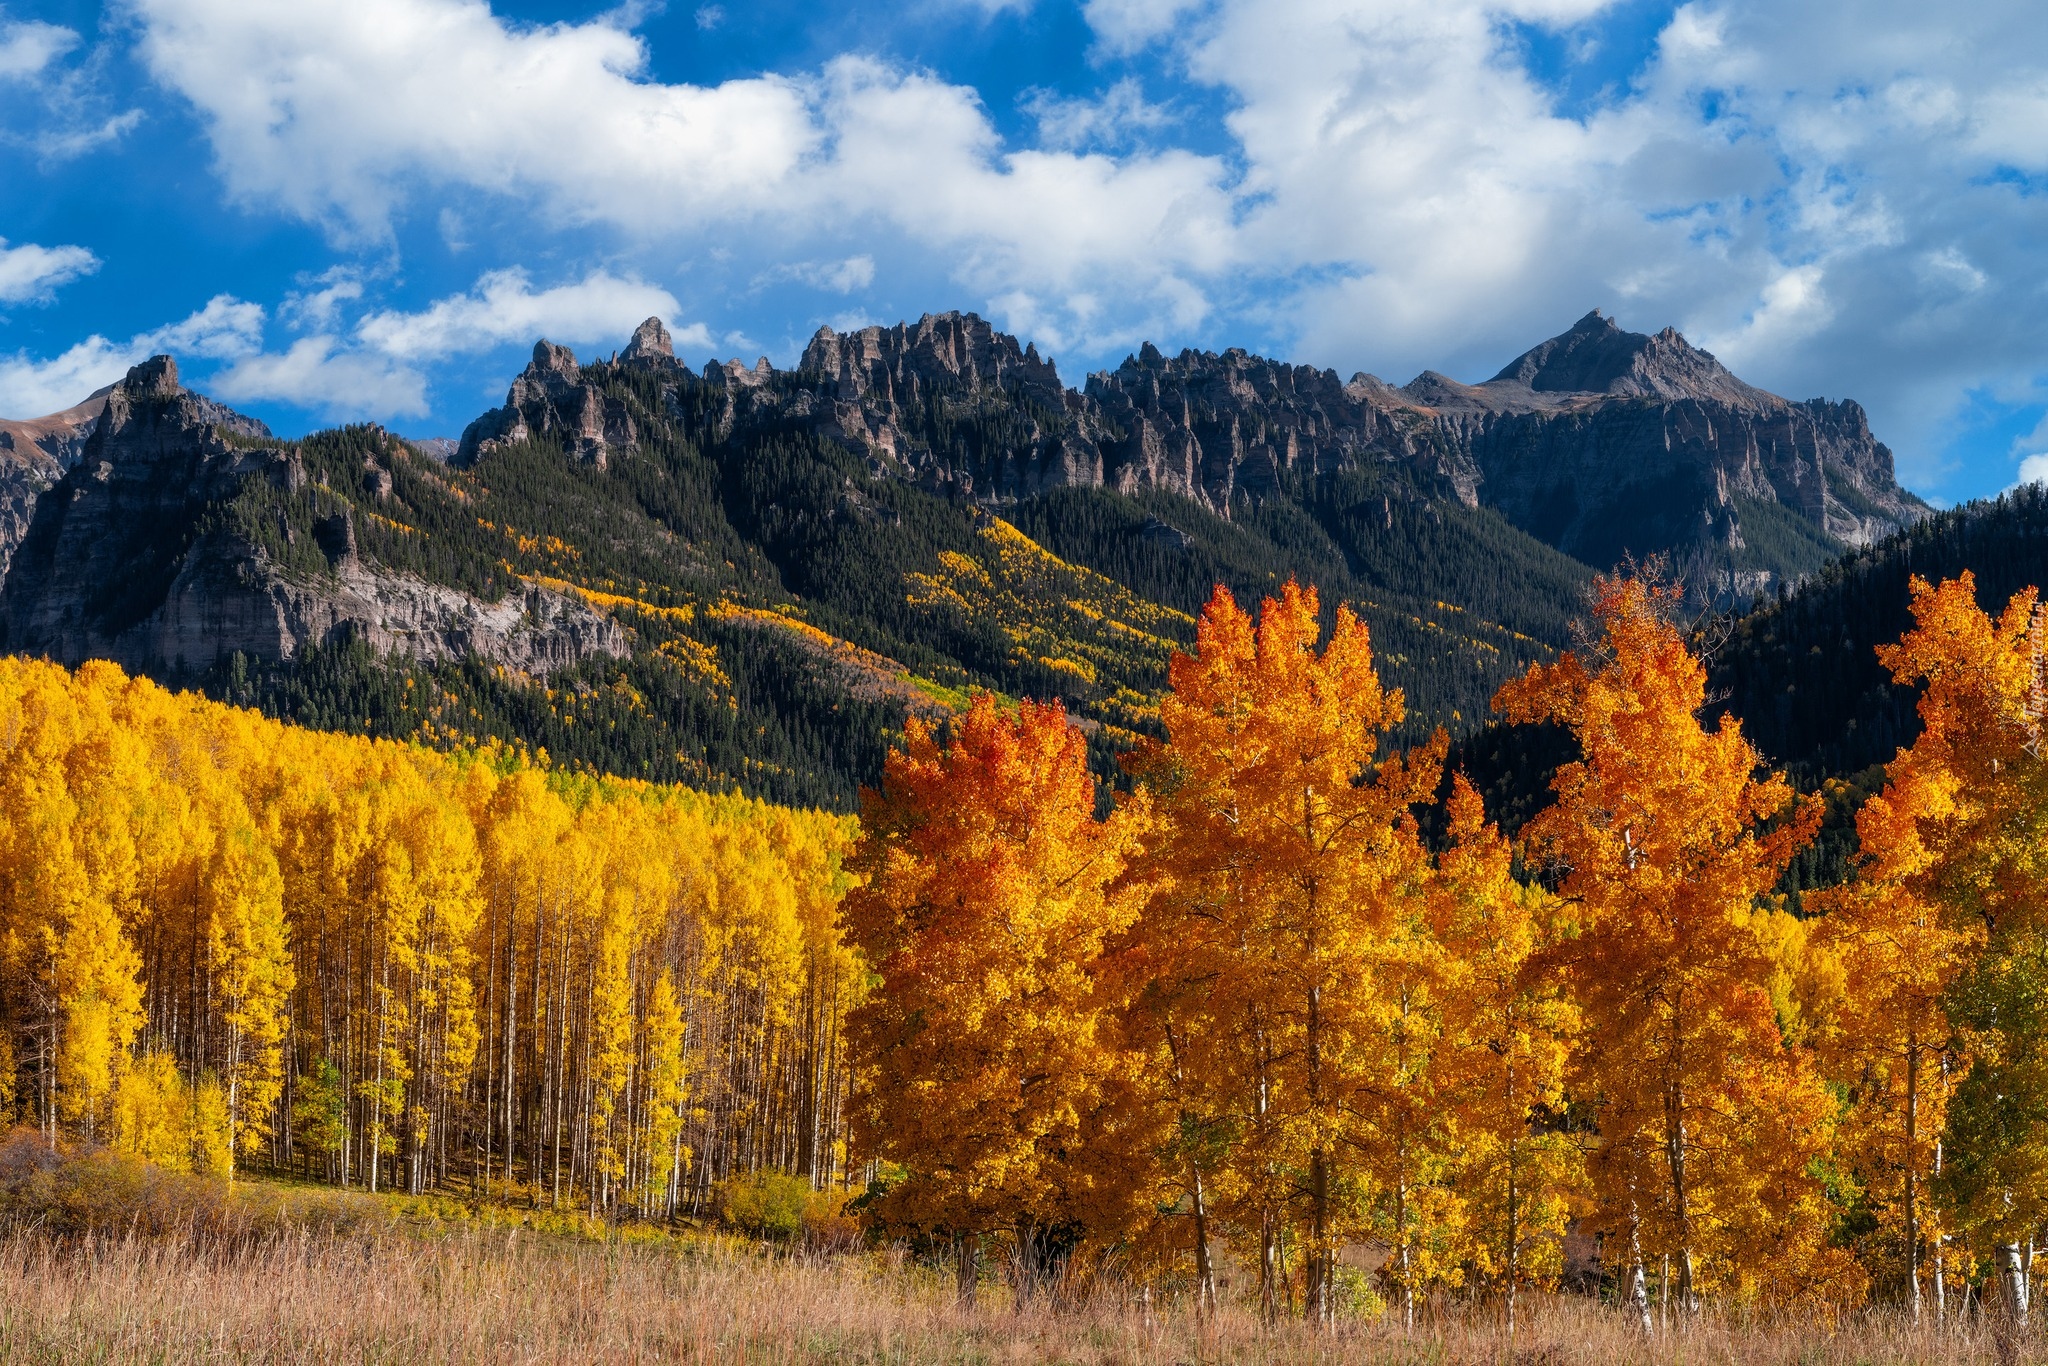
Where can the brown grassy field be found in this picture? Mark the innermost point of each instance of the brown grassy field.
(483, 1295)
(108, 1259)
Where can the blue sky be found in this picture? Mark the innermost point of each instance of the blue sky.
(368, 209)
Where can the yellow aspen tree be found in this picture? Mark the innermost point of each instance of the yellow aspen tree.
(1300, 862)
(252, 979)
(1708, 1122)
(987, 1055)
(1508, 1032)
(153, 1113)
(667, 1095)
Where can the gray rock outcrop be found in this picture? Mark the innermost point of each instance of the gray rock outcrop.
(551, 397)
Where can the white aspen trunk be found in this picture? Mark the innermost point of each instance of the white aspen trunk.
(1638, 1291)
(2011, 1323)
(1940, 1258)
(1912, 1173)
(967, 1269)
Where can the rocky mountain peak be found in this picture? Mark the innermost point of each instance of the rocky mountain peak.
(650, 342)
(549, 358)
(150, 397)
(550, 396)
(156, 377)
(946, 349)
(1595, 356)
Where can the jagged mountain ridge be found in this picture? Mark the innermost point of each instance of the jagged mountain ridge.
(1601, 442)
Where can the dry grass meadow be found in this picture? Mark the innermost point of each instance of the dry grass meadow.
(510, 1295)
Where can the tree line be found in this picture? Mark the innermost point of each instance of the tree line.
(224, 940)
(1261, 1004)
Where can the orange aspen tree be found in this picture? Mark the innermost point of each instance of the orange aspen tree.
(990, 1067)
(1297, 859)
(1508, 1031)
(1660, 843)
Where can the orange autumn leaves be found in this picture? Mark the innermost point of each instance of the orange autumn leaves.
(1253, 1004)
(1658, 843)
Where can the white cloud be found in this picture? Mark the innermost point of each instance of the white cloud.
(840, 277)
(1127, 25)
(320, 374)
(505, 308)
(1112, 119)
(335, 108)
(227, 327)
(34, 388)
(346, 111)
(66, 140)
(30, 387)
(32, 274)
(73, 113)
(318, 309)
(2034, 469)
(26, 47)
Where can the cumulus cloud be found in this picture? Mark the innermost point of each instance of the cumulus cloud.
(321, 374)
(345, 111)
(332, 108)
(225, 328)
(33, 387)
(504, 307)
(32, 274)
(1127, 25)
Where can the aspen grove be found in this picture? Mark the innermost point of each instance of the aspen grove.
(224, 940)
(1290, 997)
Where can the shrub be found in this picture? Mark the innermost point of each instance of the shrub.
(766, 1204)
(769, 1204)
(74, 1192)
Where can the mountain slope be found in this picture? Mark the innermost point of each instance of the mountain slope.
(744, 576)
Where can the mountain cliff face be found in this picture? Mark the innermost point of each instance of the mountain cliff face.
(154, 551)
(1605, 442)
(34, 454)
